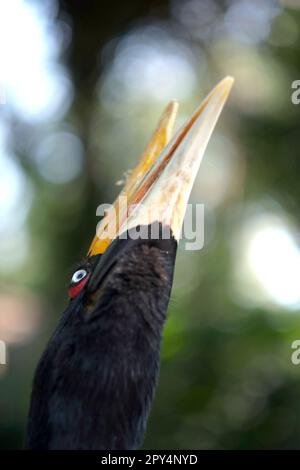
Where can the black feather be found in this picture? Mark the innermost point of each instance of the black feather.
(96, 379)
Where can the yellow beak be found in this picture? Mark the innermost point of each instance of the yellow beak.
(159, 187)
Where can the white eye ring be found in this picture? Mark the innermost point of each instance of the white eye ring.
(79, 275)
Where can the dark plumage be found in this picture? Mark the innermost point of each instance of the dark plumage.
(95, 382)
(96, 379)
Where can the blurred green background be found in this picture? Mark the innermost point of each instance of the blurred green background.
(82, 85)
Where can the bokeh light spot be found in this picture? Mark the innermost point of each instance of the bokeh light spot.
(59, 157)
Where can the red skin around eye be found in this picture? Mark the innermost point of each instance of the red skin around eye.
(74, 290)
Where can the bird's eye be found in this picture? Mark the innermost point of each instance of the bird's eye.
(79, 275)
(78, 281)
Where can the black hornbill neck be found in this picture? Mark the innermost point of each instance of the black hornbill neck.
(95, 382)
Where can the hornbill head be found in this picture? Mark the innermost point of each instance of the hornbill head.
(96, 379)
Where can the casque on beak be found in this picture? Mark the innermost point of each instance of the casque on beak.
(159, 187)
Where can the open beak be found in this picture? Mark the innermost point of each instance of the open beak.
(159, 187)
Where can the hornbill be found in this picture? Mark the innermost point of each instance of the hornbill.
(95, 381)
